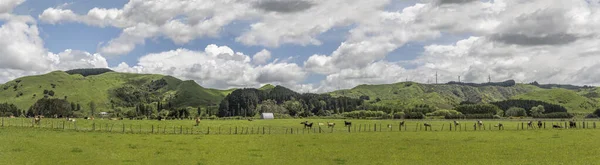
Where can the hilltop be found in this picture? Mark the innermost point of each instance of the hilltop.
(108, 89)
(446, 96)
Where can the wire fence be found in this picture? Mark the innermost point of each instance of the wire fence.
(406, 126)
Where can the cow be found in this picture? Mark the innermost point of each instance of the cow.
(401, 123)
(307, 124)
(427, 125)
(330, 125)
(556, 126)
(539, 124)
(197, 121)
(347, 123)
(572, 124)
(529, 124)
(456, 123)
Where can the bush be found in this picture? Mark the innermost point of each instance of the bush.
(414, 115)
(398, 115)
(455, 116)
(364, 114)
(479, 116)
(477, 109)
(555, 115)
(443, 113)
(591, 115)
(516, 112)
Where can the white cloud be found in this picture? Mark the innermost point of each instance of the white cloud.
(180, 21)
(23, 53)
(217, 67)
(261, 57)
(6, 6)
(303, 27)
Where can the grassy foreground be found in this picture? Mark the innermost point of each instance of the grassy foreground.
(44, 146)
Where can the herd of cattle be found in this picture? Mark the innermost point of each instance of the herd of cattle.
(572, 124)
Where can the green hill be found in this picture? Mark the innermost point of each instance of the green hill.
(107, 90)
(406, 94)
(570, 99)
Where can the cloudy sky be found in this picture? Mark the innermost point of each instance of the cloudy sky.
(307, 45)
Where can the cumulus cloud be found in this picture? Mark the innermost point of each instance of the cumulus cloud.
(6, 6)
(180, 21)
(217, 67)
(23, 52)
(283, 6)
(261, 57)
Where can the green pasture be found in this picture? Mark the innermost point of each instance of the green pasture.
(22, 145)
(283, 126)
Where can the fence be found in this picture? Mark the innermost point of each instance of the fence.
(412, 126)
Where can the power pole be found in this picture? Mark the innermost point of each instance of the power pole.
(436, 75)
(458, 79)
(489, 78)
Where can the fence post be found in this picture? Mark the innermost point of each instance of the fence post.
(380, 127)
(319, 129)
(94, 126)
(75, 125)
(152, 128)
(359, 127)
(63, 125)
(208, 132)
(544, 125)
(450, 127)
(445, 124)
(3, 122)
(375, 126)
(123, 127)
(594, 125)
(180, 129)
(111, 127)
(349, 128)
(236, 130)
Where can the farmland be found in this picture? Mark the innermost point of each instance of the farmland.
(413, 146)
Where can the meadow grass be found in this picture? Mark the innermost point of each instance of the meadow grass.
(20, 145)
(280, 126)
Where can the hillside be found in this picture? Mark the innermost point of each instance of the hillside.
(109, 90)
(448, 95)
(570, 99)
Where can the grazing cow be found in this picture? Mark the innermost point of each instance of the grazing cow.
(556, 126)
(427, 125)
(572, 124)
(540, 124)
(70, 119)
(249, 119)
(401, 123)
(389, 126)
(480, 123)
(347, 123)
(499, 125)
(329, 125)
(37, 120)
(306, 124)
(197, 121)
(456, 123)
(529, 124)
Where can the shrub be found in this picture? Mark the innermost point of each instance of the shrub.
(516, 112)
(398, 115)
(477, 109)
(479, 116)
(591, 115)
(555, 115)
(443, 113)
(455, 116)
(414, 115)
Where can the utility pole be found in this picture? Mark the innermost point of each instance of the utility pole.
(436, 79)
(458, 79)
(489, 78)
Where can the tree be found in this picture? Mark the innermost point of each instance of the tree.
(51, 93)
(73, 107)
(51, 107)
(294, 107)
(78, 107)
(516, 112)
(93, 108)
(537, 111)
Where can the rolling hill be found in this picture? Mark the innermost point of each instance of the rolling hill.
(446, 96)
(107, 90)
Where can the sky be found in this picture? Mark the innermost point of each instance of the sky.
(307, 45)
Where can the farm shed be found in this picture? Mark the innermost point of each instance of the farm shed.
(267, 116)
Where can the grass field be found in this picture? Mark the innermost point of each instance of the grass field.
(20, 145)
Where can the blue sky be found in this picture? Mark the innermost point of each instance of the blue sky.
(306, 44)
